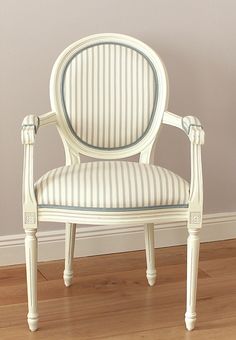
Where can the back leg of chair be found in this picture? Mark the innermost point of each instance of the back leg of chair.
(69, 253)
(31, 273)
(150, 253)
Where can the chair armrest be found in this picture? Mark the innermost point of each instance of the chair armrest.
(189, 124)
(193, 128)
(29, 130)
(31, 124)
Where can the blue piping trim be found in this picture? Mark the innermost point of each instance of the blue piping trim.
(153, 110)
(153, 207)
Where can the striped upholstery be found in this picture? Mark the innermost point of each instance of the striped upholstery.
(112, 185)
(109, 95)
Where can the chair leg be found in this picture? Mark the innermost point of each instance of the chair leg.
(31, 273)
(192, 274)
(150, 253)
(69, 253)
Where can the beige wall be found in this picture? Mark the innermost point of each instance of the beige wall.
(196, 40)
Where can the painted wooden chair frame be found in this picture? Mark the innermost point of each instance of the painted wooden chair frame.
(32, 213)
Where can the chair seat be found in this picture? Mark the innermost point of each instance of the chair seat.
(112, 185)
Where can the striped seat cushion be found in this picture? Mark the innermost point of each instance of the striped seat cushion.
(112, 185)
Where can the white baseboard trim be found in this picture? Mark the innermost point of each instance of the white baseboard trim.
(96, 240)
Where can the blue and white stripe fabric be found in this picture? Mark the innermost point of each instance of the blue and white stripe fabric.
(112, 185)
(109, 94)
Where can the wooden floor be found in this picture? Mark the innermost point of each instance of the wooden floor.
(110, 298)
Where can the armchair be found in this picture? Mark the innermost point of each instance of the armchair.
(109, 98)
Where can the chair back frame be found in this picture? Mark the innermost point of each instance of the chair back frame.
(74, 146)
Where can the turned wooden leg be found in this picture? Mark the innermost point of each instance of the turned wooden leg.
(31, 273)
(150, 253)
(192, 274)
(69, 253)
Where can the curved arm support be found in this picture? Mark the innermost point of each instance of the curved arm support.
(193, 129)
(196, 188)
(190, 125)
(29, 130)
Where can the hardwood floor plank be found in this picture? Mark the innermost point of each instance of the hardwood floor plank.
(84, 285)
(12, 276)
(220, 267)
(211, 330)
(110, 298)
(217, 250)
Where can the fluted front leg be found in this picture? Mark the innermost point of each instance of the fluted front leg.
(31, 272)
(150, 253)
(192, 274)
(69, 253)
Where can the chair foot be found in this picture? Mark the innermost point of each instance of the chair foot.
(151, 272)
(33, 321)
(68, 276)
(190, 321)
(151, 277)
(69, 252)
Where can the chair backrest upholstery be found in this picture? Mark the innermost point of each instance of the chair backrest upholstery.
(110, 92)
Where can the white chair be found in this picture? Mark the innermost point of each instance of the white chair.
(109, 97)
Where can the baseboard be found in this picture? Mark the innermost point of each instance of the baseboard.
(96, 240)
